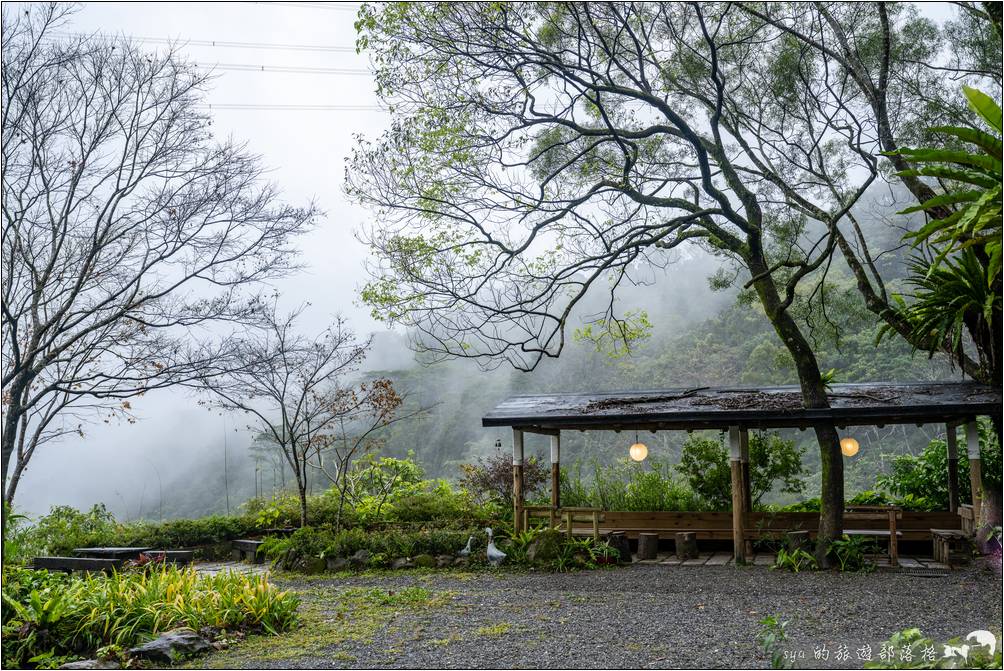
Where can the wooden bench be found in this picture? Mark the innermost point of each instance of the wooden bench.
(876, 513)
(592, 516)
(947, 540)
(967, 519)
(246, 549)
(71, 564)
(111, 552)
(179, 557)
(540, 513)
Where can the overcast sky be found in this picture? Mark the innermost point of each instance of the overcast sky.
(306, 150)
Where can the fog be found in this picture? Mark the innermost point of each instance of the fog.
(179, 458)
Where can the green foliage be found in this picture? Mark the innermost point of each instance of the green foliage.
(794, 560)
(627, 485)
(921, 481)
(850, 552)
(388, 545)
(910, 649)
(617, 338)
(772, 636)
(705, 464)
(977, 223)
(956, 278)
(46, 616)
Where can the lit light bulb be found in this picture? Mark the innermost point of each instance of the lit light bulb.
(849, 447)
(638, 451)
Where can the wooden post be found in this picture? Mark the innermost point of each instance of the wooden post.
(744, 455)
(893, 538)
(975, 470)
(738, 521)
(555, 477)
(517, 479)
(953, 468)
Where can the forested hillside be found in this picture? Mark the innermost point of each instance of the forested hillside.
(698, 338)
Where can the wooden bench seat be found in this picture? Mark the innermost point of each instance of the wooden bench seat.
(246, 549)
(876, 514)
(179, 557)
(70, 564)
(664, 532)
(950, 546)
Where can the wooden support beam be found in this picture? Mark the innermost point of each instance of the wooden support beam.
(744, 458)
(555, 477)
(517, 479)
(540, 430)
(975, 469)
(738, 516)
(953, 467)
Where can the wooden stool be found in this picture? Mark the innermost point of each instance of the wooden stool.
(648, 546)
(947, 540)
(686, 545)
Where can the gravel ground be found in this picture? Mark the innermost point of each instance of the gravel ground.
(642, 616)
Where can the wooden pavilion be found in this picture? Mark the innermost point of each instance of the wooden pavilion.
(737, 410)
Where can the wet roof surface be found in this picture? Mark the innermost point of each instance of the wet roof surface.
(718, 407)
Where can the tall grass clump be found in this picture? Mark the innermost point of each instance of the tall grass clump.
(48, 617)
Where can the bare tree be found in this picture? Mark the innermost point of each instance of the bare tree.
(296, 390)
(130, 236)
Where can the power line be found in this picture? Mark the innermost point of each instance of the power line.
(214, 43)
(340, 6)
(298, 69)
(291, 107)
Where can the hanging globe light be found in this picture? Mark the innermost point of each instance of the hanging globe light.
(638, 450)
(849, 447)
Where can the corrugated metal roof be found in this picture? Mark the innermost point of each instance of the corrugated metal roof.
(760, 407)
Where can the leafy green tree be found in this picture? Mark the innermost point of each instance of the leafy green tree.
(773, 460)
(878, 52)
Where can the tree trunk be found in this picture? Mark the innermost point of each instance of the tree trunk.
(8, 442)
(831, 495)
(303, 506)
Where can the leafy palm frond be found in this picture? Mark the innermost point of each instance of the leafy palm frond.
(977, 220)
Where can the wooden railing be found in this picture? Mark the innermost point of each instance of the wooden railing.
(915, 526)
(567, 517)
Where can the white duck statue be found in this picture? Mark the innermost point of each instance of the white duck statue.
(495, 556)
(466, 552)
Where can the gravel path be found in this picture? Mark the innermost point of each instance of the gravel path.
(635, 617)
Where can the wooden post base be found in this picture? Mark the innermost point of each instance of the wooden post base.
(686, 545)
(648, 546)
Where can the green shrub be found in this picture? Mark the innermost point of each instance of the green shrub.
(850, 553)
(794, 560)
(910, 649)
(705, 464)
(806, 506)
(921, 481)
(490, 479)
(65, 528)
(47, 617)
(627, 485)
